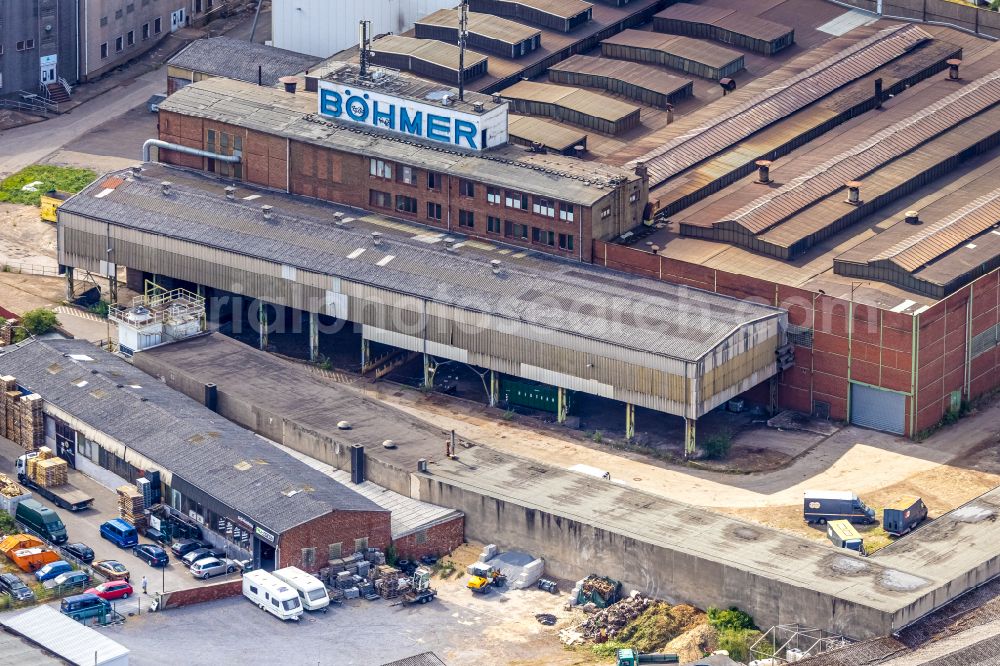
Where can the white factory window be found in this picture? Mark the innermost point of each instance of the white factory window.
(606, 212)
(543, 206)
(493, 195)
(517, 200)
(381, 168)
(407, 175)
(566, 212)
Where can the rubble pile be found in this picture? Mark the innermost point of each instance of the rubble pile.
(607, 623)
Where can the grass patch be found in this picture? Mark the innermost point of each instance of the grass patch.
(52, 178)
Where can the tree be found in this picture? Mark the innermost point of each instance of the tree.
(39, 321)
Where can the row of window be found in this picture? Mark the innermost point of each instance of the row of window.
(543, 206)
(128, 39)
(130, 7)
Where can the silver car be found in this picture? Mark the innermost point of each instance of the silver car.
(203, 553)
(212, 566)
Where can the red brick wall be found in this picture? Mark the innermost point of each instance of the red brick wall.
(202, 594)
(337, 527)
(441, 539)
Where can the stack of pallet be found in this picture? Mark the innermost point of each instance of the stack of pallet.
(12, 413)
(31, 432)
(7, 385)
(387, 581)
(131, 506)
(51, 472)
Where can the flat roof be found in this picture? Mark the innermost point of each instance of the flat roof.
(487, 25)
(276, 112)
(742, 23)
(239, 59)
(73, 641)
(695, 50)
(561, 295)
(433, 51)
(207, 451)
(577, 99)
(553, 135)
(637, 74)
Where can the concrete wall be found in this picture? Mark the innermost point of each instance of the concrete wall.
(440, 539)
(966, 17)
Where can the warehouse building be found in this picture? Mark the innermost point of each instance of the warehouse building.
(246, 494)
(234, 59)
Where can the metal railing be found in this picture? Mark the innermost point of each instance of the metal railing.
(28, 269)
(19, 105)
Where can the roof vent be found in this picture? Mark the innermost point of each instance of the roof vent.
(495, 264)
(445, 100)
(268, 211)
(728, 85)
(853, 192)
(389, 444)
(497, 98)
(230, 192)
(449, 244)
(953, 65)
(290, 82)
(136, 171)
(343, 425)
(376, 238)
(165, 186)
(338, 215)
(912, 217)
(579, 151)
(478, 106)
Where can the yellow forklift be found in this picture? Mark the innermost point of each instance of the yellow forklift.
(484, 576)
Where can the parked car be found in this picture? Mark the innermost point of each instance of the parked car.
(15, 587)
(52, 569)
(120, 532)
(153, 103)
(202, 553)
(112, 589)
(80, 551)
(152, 555)
(182, 547)
(112, 569)
(212, 566)
(69, 579)
(83, 606)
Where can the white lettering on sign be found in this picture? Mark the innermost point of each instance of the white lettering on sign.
(263, 534)
(428, 121)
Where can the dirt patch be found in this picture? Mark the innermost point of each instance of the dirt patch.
(26, 239)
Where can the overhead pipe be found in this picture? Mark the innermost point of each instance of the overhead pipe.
(150, 143)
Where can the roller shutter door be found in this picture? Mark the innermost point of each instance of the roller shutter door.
(878, 409)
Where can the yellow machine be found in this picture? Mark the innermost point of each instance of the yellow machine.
(483, 577)
(50, 202)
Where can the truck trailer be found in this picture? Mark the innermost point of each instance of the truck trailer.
(820, 506)
(903, 515)
(64, 496)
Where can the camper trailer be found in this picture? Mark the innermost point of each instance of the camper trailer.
(311, 590)
(271, 594)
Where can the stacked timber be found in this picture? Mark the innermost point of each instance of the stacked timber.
(12, 413)
(50, 472)
(7, 385)
(131, 506)
(31, 424)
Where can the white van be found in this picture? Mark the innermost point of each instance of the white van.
(272, 595)
(312, 591)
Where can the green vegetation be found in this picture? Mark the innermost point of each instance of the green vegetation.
(100, 308)
(737, 632)
(717, 445)
(733, 618)
(52, 178)
(391, 556)
(509, 415)
(597, 437)
(39, 321)
(7, 524)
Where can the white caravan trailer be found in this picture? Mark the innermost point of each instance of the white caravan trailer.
(272, 595)
(312, 591)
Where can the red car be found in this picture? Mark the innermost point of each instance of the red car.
(112, 589)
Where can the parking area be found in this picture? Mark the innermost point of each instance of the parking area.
(84, 526)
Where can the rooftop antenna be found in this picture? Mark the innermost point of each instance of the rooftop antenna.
(463, 29)
(365, 28)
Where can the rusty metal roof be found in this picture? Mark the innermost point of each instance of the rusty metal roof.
(696, 50)
(735, 21)
(487, 25)
(944, 235)
(643, 76)
(894, 141)
(741, 121)
(568, 97)
(553, 135)
(428, 50)
(566, 9)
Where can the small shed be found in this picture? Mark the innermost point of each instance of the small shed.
(67, 638)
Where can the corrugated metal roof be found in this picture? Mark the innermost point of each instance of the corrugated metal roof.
(428, 50)
(553, 135)
(684, 47)
(945, 235)
(239, 59)
(647, 315)
(729, 19)
(566, 9)
(487, 25)
(576, 99)
(637, 74)
(71, 640)
(867, 156)
(739, 122)
(183, 436)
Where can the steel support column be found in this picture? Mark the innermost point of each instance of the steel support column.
(262, 323)
(561, 410)
(689, 436)
(313, 337)
(366, 354)
(494, 389)
(70, 288)
(430, 367)
(629, 420)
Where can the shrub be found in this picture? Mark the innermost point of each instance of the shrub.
(733, 618)
(597, 436)
(100, 308)
(737, 643)
(39, 321)
(391, 556)
(7, 524)
(717, 446)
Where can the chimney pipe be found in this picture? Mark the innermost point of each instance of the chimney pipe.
(230, 192)
(165, 186)
(763, 171)
(212, 397)
(422, 465)
(641, 170)
(579, 151)
(376, 238)
(260, 75)
(912, 217)
(878, 93)
(953, 64)
(495, 264)
(268, 211)
(853, 192)
(290, 83)
(670, 113)
(357, 464)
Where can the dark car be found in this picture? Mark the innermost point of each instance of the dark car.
(68, 580)
(15, 587)
(80, 551)
(182, 547)
(202, 553)
(152, 555)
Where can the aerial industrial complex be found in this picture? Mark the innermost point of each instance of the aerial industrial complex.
(648, 215)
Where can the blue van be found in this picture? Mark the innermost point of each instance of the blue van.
(120, 532)
(84, 606)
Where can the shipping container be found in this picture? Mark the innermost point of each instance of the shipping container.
(729, 26)
(542, 397)
(843, 535)
(820, 506)
(903, 515)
